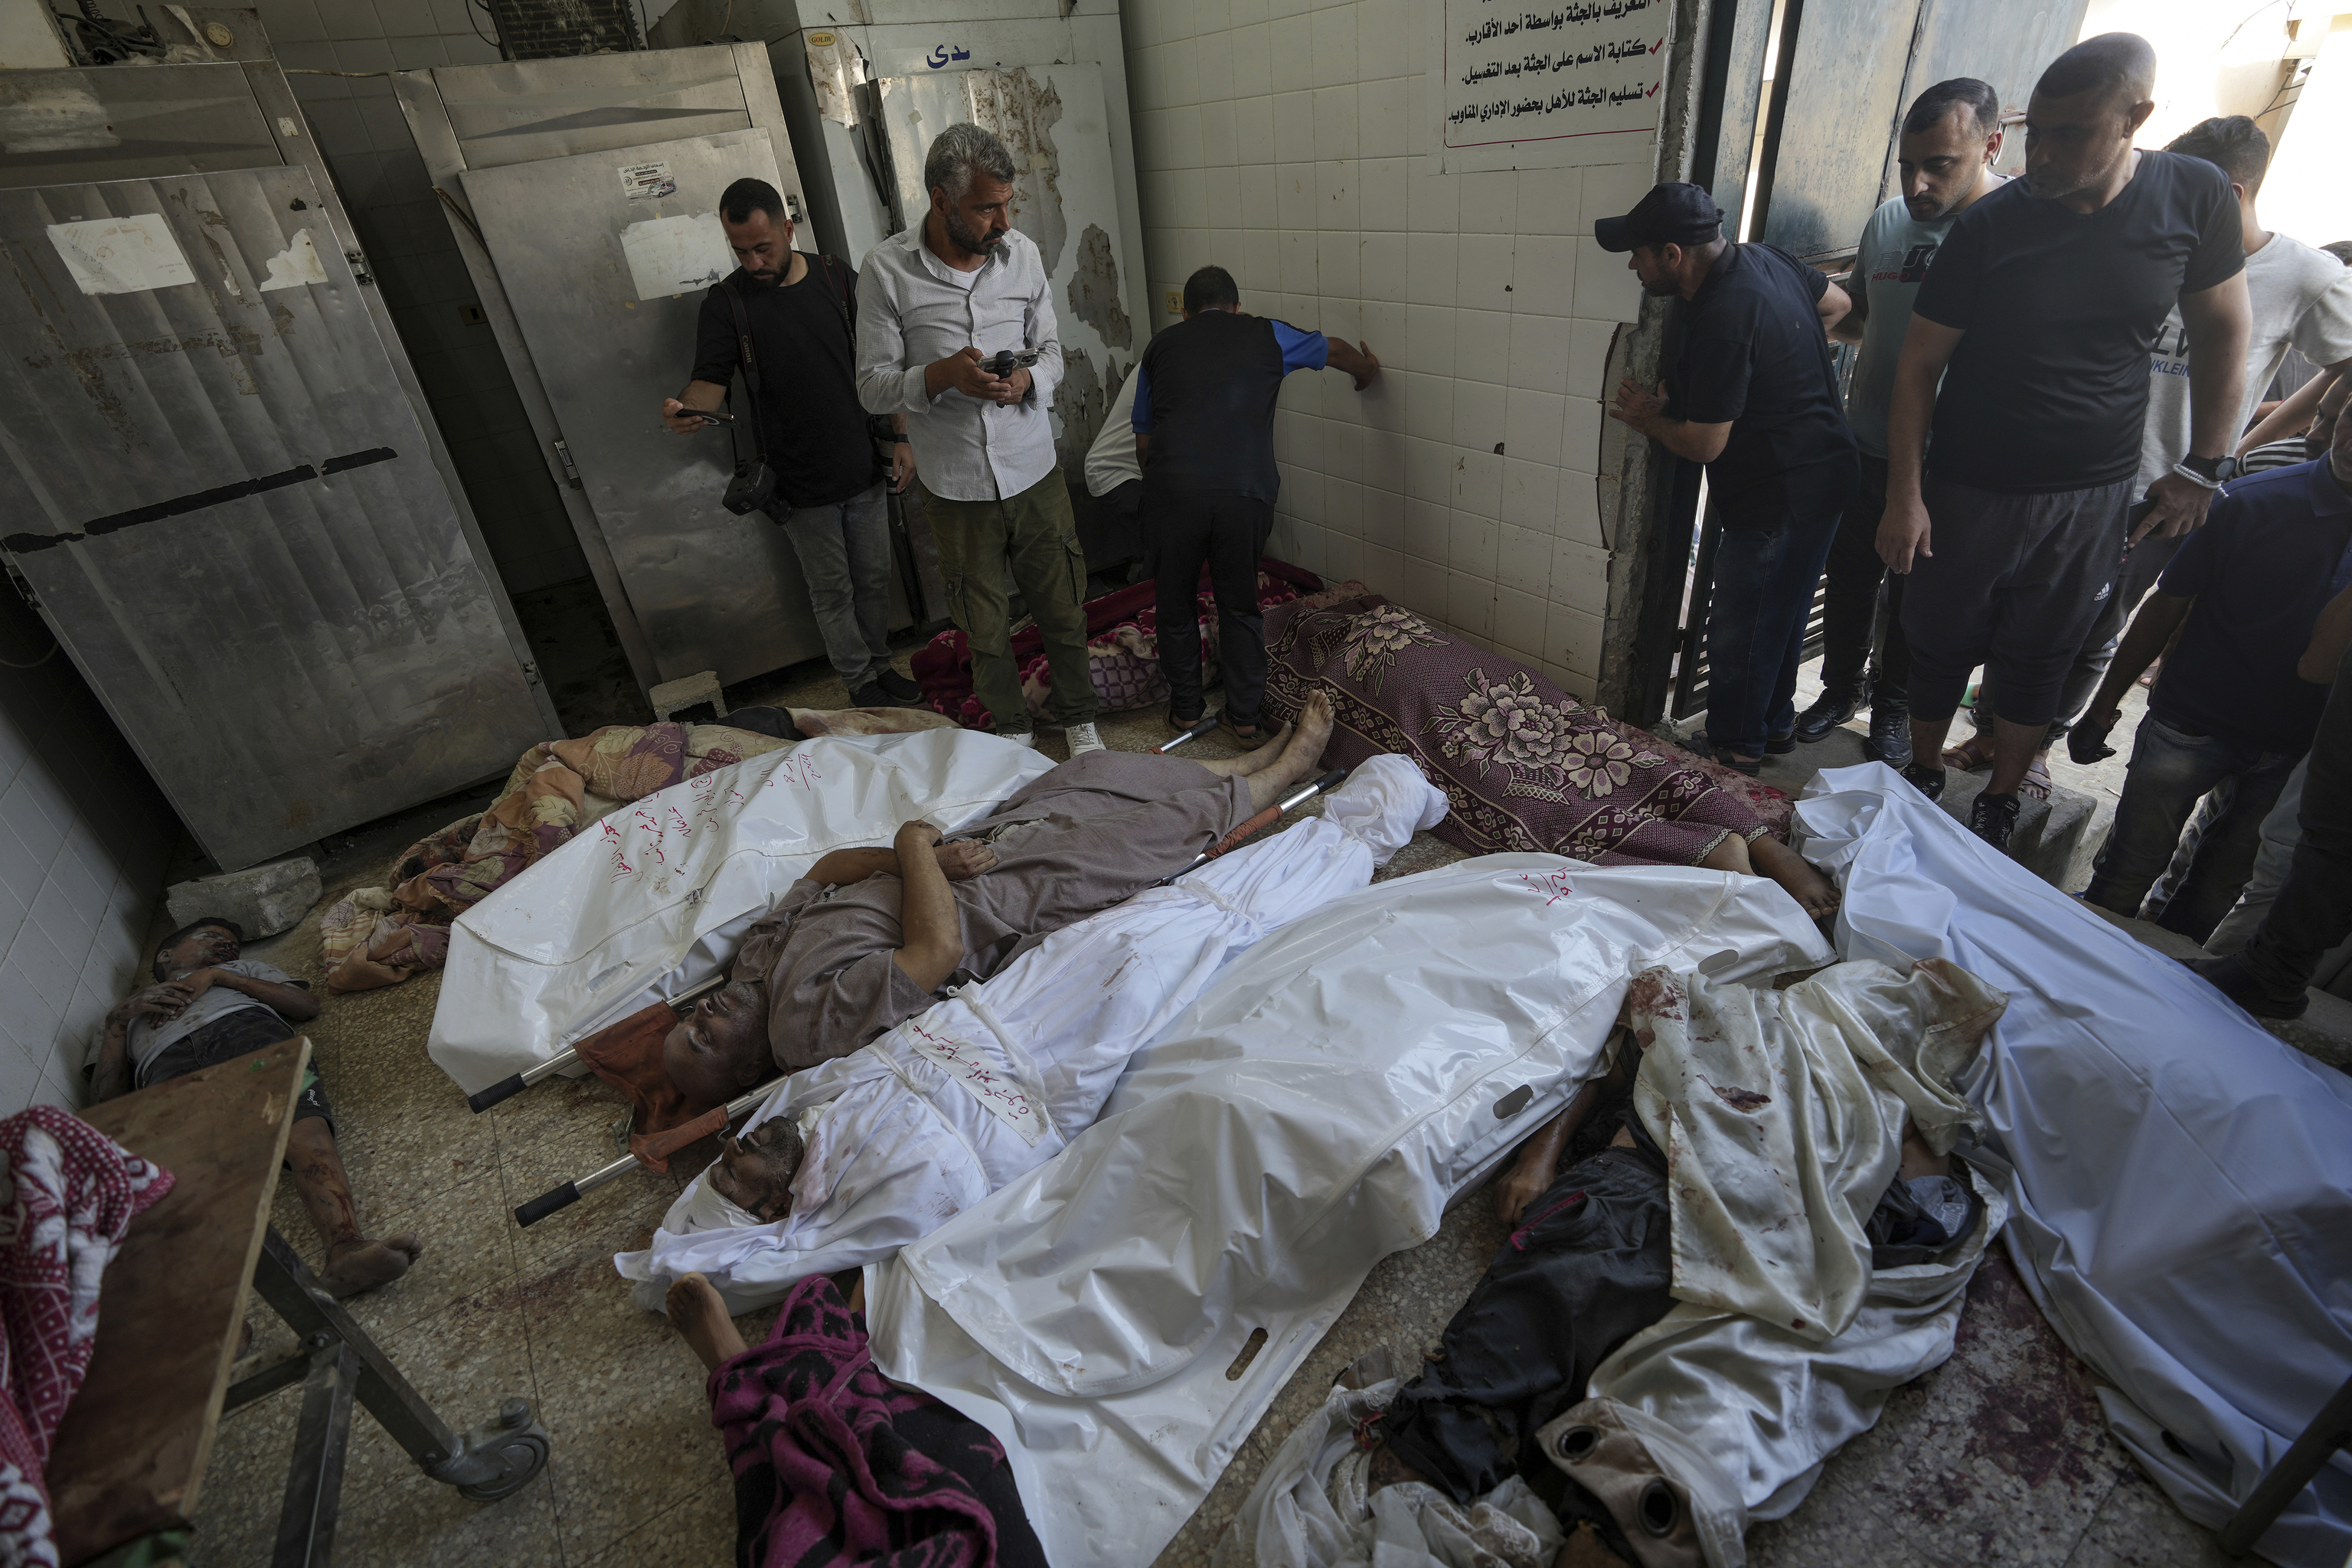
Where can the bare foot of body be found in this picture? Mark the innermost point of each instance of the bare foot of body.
(353, 1266)
(1266, 756)
(699, 1313)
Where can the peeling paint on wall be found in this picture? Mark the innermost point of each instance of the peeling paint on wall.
(1023, 110)
(1081, 402)
(1093, 289)
(296, 264)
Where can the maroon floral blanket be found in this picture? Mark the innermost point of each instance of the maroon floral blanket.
(1524, 765)
(1122, 650)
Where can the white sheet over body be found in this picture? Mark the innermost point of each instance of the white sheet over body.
(950, 1106)
(2181, 1181)
(643, 904)
(1314, 1111)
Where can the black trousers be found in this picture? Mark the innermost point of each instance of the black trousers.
(1863, 649)
(1226, 532)
(2313, 910)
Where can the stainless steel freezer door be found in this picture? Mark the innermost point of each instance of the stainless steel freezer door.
(227, 508)
(575, 251)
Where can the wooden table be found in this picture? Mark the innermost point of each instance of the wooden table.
(130, 1452)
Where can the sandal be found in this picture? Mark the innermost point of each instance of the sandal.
(1178, 726)
(2037, 783)
(1706, 747)
(1965, 758)
(1257, 735)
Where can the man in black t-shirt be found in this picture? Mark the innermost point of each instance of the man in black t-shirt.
(810, 426)
(2037, 317)
(1753, 394)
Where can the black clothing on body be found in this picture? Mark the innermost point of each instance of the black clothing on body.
(812, 428)
(2049, 389)
(1753, 354)
(1213, 379)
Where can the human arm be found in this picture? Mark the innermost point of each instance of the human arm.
(1645, 411)
(1832, 307)
(2143, 642)
(958, 861)
(2330, 635)
(931, 936)
(1356, 360)
(293, 1003)
(902, 456)
(2292, 415)
(678, 416)
(2219, 322)
(110, 1077)
(1041, 331)
(1928, 348)
(1847, 329)
(1538, 1162)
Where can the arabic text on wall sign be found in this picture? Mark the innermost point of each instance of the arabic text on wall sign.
(1593, 69)
(941, 54)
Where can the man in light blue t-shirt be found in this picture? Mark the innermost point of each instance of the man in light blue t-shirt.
(1951, 137)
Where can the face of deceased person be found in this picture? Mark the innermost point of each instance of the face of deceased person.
(200, 949)
(720, 1048)
(755, 1171)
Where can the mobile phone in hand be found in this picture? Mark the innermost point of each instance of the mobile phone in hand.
(709, 414)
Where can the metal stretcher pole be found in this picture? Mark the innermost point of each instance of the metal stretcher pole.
(507, 1088)
(660, 1146)
(1208, 722)
(1266, 818)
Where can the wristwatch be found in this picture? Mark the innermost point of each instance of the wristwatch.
(2210, 472)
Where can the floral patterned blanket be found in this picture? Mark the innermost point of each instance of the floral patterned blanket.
(1524, 765)
(1122, 650)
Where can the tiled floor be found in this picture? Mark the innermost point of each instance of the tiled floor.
(1997, 1456)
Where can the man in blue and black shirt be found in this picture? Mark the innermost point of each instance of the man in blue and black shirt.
(1204, 432)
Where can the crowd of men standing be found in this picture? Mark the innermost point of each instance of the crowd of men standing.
(2051, 419)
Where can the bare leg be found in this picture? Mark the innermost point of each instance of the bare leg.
(355, 1263)
(1249, 762)
(1299, 755)
(1768, 856)
(698, 1312)
(2013, 746)
(1927, 739)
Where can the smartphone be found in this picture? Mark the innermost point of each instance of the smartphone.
(708, 414)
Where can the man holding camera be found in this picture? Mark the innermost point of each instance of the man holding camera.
(793, 315)
(956, 337)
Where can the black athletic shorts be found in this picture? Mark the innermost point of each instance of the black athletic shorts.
(237, 1034)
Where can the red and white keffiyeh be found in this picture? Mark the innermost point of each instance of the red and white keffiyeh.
(67, 1193)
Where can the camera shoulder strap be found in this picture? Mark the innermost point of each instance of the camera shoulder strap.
(751, 363)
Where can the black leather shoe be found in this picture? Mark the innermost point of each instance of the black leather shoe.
(899, 688)
(1829, 711)
(2231, 977)
(1890, 737)
(1928, 782)
(1994, 818)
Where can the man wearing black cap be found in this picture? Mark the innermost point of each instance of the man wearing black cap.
(1754, 397)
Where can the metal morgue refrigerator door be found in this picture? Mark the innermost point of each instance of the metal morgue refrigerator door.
(221, 499)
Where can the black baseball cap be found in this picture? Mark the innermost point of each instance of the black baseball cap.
(1670, 214)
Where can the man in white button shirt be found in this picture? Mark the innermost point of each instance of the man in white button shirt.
(935, 303)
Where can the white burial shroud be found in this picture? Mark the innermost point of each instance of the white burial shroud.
(646, 902)
(994, 1081)
(2182, 1180)
(1316, 1110)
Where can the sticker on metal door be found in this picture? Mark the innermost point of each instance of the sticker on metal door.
(648, 182)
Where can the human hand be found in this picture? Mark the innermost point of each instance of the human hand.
(961, 371)
(1015, 388)
(196, 982)
(1519, 1186)
(2086, 743)
(965, 858)
(161, 1002)
(916, 836)
(902, 466)
(1903, 533)
(1638, 407)
(2177, 506)
(680, 420)
(1372, 361)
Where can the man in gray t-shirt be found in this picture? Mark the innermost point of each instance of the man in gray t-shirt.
(210, 1005)
(1951, 137)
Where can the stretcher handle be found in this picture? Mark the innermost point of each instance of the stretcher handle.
(1271, 814)
(505, 1089)
(662, 1145)
(1207, 722)
(547, 1203)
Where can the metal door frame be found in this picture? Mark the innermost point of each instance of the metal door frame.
(418, 94)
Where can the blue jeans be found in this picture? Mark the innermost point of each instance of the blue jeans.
(2171, 770)
(845, 555)
(1764, 580)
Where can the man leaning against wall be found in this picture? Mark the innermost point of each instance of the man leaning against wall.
(938, 305)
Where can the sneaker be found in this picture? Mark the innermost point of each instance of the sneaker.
(2232, 979)
(1020, 738)
(1993, 817)
(1890, 737)
(1829, 711)
(1928, 782)
(900, 688)
(1083, 738)
(870, 695)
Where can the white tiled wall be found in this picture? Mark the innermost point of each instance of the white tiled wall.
(1277, 139)
(84, 838)
(416, 261)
